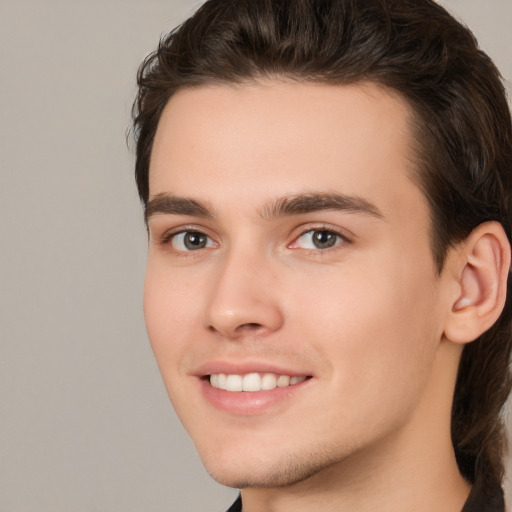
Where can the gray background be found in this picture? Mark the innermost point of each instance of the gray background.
(85, 423)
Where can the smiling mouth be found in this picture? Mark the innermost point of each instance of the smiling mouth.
(253, 382)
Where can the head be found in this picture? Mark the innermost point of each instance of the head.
(458, 123)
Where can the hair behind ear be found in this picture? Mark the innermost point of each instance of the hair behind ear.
(481, 312)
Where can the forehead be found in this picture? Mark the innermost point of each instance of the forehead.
(281, 138)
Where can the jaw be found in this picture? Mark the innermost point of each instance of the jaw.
(279, 453)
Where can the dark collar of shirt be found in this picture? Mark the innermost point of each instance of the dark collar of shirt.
(477, 502)
(237, 506)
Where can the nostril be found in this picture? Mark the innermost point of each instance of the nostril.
(251, 326)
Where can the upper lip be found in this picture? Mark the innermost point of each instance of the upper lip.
(243, 368)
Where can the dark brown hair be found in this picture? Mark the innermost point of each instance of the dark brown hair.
(462, 128)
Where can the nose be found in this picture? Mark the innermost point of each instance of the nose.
(244, 297)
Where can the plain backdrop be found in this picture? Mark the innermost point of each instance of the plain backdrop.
(85, 423)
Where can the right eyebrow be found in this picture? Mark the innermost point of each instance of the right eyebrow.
(173, 205)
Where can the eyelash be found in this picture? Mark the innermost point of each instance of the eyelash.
(167, 240)
(341, 240)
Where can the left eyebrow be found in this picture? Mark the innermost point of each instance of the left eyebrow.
(314, 202)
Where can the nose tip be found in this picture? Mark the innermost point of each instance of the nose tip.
(248, 319)
(244, 303)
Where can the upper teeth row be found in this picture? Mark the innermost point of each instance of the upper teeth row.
(252, 381)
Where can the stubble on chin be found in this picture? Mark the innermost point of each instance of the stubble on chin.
(287, 471)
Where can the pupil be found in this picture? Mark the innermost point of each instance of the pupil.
(324, 239)
(195, 241)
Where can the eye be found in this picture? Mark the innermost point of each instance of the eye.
(191, 241)
(318, 239)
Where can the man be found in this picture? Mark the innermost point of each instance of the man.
(327, 189)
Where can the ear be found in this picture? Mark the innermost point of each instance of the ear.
(479, 267)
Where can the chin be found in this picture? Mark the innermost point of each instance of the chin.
(285, 471)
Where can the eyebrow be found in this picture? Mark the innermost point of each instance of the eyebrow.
(173, 205)
(314, 202)
(286, 206)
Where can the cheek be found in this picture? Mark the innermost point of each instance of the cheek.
(169, 317)
(168, 312)
(375, 327)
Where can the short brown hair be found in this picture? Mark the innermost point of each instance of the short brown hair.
(462, 128)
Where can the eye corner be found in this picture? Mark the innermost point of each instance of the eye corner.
(182, 240)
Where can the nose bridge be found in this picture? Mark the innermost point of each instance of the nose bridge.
(244, 296)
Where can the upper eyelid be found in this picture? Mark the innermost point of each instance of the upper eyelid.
(343, 240)
(165, 235)
(165, 241)
(337, 230)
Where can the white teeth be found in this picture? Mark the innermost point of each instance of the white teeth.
(233, 383)
(268, 382)
(253, 381)
(283, 381)
(214, 380)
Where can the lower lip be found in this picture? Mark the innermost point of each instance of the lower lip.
(248, 403)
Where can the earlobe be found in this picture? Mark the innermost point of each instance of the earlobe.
(480, 267)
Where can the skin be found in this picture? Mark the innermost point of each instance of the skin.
(363, 319)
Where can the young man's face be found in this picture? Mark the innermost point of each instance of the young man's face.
(288, 239)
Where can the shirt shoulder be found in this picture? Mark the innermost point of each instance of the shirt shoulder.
(477, 502)
(237, 505)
